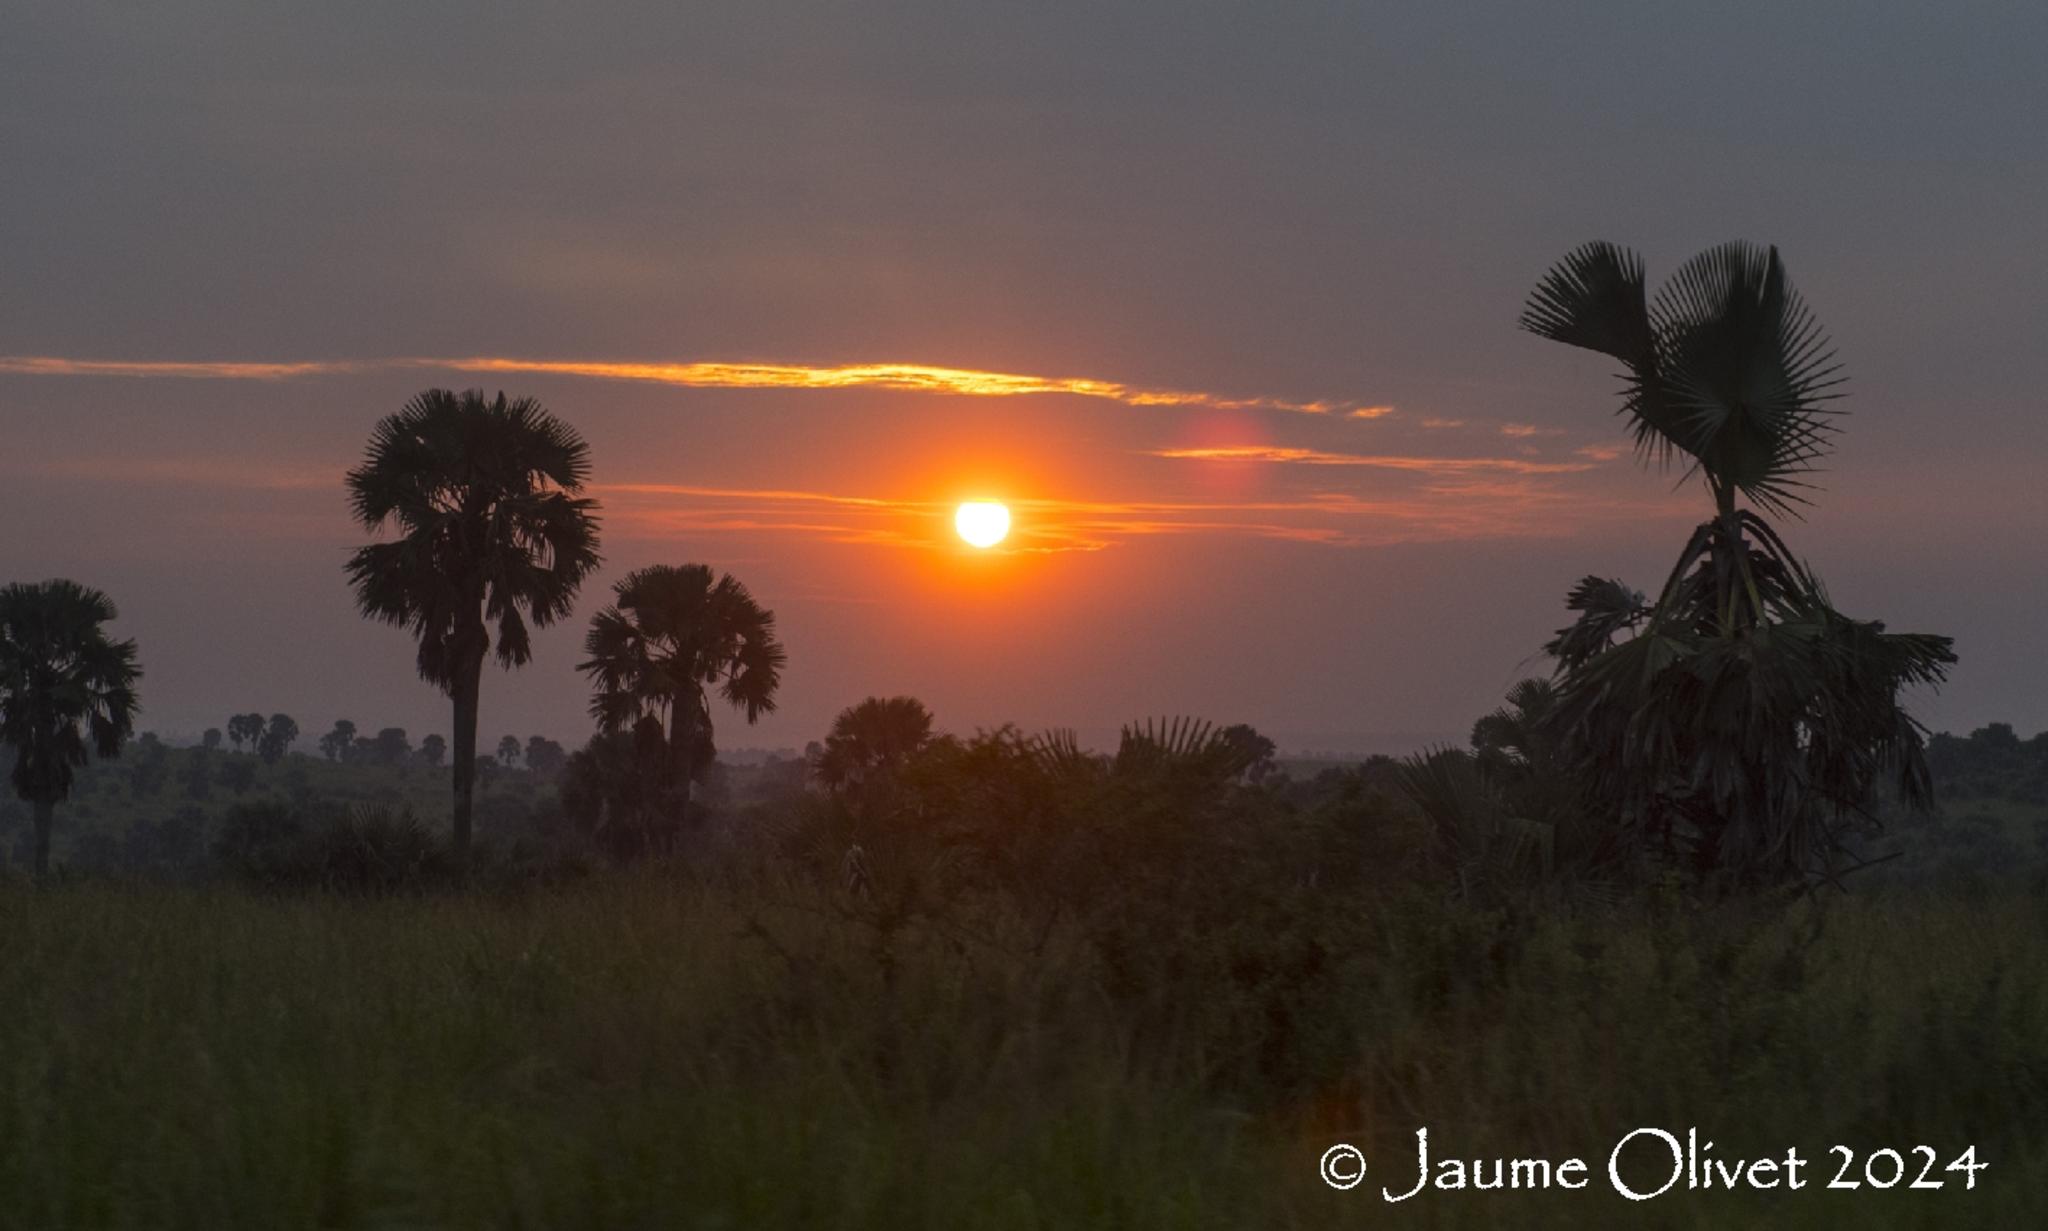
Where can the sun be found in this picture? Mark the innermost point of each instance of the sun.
(983, 523)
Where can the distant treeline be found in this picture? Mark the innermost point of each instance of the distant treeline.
(1992, 762)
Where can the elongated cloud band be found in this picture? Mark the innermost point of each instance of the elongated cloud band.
(906, 377)
(1319, 457)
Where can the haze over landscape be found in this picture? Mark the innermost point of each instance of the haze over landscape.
(1227, 321)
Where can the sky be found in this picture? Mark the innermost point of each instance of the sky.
(1220, 298)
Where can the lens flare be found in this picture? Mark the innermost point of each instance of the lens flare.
(983, 523)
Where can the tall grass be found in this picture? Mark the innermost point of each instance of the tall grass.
(660, 1051)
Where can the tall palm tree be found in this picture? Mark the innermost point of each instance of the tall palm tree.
(65, 690)
(1738, 716)
(492, 532)
(672, 636)
(872, 740)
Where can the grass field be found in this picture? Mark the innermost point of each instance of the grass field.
(659, 1051)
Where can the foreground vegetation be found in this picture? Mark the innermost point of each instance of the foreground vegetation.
(665, 1050)
(992, 982)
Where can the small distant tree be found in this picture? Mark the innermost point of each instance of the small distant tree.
(433, 750)
(277, 738)
(508, 750)
(545, 757)
(871, 741)
(211, 740)
(392, 746)
(66, 690)
(245, 729)
(336, 744)
(1256, 748)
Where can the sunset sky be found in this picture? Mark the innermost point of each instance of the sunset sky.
(1219, 299)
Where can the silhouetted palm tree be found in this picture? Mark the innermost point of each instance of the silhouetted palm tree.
(492, 533)
(671, 634)
(1739, 716)
(65, 690)
(871, 740)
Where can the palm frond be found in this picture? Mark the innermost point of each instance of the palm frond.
(1594, 298)
(1607, 608)
(1747, 372)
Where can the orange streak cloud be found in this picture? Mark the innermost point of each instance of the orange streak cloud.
(908, 377)
(1318, 457)
(50, 365)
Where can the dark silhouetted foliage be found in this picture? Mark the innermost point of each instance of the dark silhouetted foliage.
(279, 734)
(1738, 723)
(493, 533)
(67, 691)
(672, 637)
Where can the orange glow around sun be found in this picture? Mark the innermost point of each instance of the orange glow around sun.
(982, 523)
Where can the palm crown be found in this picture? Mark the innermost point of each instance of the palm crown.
(66, 690)
(484, 496)
(673, 636)
(1727, 366)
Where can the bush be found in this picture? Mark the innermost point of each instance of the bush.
(258, 841)
(373, 850)
(368, 849)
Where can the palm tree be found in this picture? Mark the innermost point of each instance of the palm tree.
(872, 740)
(492, 533)
(1739, 717)
(671, 634)
(337, 744)
(65, 690)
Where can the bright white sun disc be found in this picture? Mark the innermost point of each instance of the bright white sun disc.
(984, 523)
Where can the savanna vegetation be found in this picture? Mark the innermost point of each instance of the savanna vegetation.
(1709, 871)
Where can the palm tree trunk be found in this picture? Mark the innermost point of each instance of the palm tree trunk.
(46, 809)
(468, 682)
(682, 755)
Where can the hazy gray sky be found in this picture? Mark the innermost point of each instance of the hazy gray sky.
(1339, 203)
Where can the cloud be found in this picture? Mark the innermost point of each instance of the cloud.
(906, 377)
(51, 365)
(1319, 457)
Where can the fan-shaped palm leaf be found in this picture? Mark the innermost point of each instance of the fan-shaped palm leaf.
(1728, 366)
